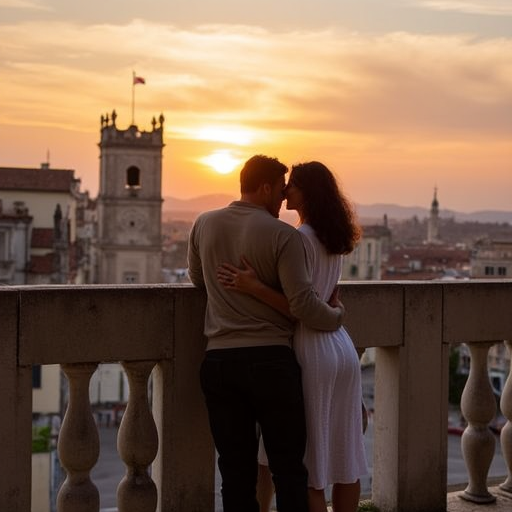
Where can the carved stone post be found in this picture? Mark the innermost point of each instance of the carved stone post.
(78, 444)
(506, 431)
(137, 443)
(478, 407)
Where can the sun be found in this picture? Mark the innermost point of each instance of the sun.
(221, 161)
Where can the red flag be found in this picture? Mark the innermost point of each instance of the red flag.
(138, 80)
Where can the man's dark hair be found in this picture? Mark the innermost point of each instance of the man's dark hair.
(258, 170)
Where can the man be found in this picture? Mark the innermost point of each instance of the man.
(250, 375)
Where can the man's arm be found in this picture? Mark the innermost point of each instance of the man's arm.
(296, 282)
(195, 268)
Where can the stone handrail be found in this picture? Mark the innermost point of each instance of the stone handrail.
(412, 325)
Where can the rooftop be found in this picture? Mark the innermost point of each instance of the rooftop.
(36, 179)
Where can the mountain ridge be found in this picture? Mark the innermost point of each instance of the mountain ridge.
(375, 212)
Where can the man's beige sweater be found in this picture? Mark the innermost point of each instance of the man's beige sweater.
(276, 252)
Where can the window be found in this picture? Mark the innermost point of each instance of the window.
(502, 271)
(130, 277)
(132, 177)
(36, 376)
(415, 265)
(489, 271)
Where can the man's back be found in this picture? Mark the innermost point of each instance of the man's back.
(241, 229)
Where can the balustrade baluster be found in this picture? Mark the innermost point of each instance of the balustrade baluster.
(78, 444)
(478, 407)
(506, 431)
(137, 443)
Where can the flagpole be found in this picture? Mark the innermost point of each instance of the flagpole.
(133, 98)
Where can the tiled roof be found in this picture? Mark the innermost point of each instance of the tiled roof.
(49, 180)
(428, 254)
(412, 275)
(428, 262)
(42, 238)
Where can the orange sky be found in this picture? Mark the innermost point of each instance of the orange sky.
(395, 105)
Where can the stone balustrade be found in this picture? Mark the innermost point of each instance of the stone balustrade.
(78, 444)
(166, 445)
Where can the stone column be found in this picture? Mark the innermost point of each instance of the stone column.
(185, 441)
(16, 409)
(478, 406)
(78, 444)
(137, 443)
(411, 410)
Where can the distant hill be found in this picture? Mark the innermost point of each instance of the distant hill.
(197, 204)
(188, 209)
(394, 211)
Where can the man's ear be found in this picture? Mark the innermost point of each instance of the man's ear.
(267, 188)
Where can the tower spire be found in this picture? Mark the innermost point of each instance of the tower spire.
(433, 221)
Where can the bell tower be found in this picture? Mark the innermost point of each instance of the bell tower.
(433, 221)
(129, 245)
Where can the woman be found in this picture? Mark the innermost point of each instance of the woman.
(330, 364)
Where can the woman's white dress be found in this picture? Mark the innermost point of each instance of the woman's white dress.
(331, 378)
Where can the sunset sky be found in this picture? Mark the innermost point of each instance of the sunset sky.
(396, 96)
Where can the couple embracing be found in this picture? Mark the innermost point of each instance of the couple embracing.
(278, 360)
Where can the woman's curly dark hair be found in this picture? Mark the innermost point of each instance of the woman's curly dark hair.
(325, 207)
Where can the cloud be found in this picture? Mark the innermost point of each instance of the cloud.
(24, 4)
(485, 7)
(327, 81)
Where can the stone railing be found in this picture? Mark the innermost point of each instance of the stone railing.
(157, 330)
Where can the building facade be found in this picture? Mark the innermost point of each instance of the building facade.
(491, 259)
(15, 243)
(366, 260)
(39, 243)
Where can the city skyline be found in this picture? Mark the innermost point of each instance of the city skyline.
(415, 96)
